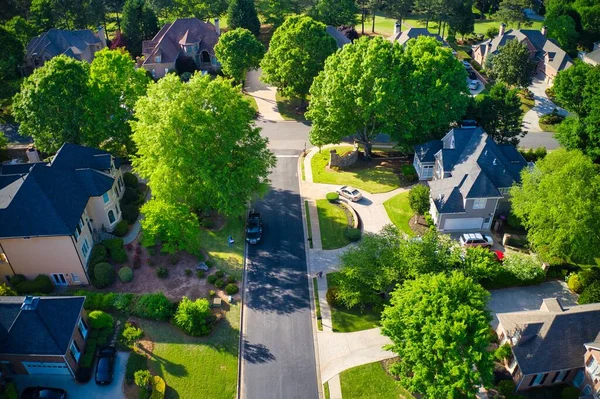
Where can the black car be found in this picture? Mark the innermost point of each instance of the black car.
(254, 228)
(105, 365)
(43, 393)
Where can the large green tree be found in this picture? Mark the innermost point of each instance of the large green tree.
(237, 51)
(335, 12)
(12, 54)
(201, 9)
(22, 29)
(562, 28)
(512, 12)
(242, 14)
(139, 23)
(296, 55)
(439, 327)
(51, 106)
(399, 9)
(512, 65)
(499, 113)
(172, 224)
(197, 144)
(558, 202)
(275, 11)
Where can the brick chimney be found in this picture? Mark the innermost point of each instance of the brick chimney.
(217, 27)
(397, 29)
(501, 30)
(544, 30)
(101, 35)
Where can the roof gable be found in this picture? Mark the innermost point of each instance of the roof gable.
(58, 41)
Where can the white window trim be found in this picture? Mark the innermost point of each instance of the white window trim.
(107, 194)
(75, 351)
(82, 329)
(85, 248)
(116, 218)
(477, 205)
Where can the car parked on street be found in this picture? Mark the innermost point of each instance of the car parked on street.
(350, 193)
(254, 228)
(106, 365)
(476, 240)
(474, 85)
(43, 393)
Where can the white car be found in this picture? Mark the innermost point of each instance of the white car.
(476, 240)
(474, 85)
(350, 192)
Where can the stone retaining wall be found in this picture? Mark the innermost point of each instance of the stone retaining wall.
(342, 162)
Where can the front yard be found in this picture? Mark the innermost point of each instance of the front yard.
(400, 213)
(351, 320)
(214, 242)
(333, 224)
(289, 108)
(371, 381)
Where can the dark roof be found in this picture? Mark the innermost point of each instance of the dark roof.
(45, 329)
(72, 156)
(339, 37)
(552, 338)
(425, 152)
(58, 41)
(413, 33)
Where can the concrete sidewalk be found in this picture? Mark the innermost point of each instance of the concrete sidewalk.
(264, 95)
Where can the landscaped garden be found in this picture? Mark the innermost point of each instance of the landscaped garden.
(371, 381)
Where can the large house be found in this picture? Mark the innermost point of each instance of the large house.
(78, 44)
(402, 37)
(185, 37)
(42, 335)
(554, 345)
(340, 39)
(548, 57)
(469, 177)
(593, 57)
(49, 212)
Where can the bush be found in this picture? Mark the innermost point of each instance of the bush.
(104, 274)
(130, 180)
(125, 274)
(116, 250)
(532, 155)
(526, 268)
(153, 306)
(122, 302)
(194, 318)
(220, 273)
(162, 272)
(99, 254)
(552, 118)
(188, 272)
(409, 172)
(212, 293)
(506, 388)
(211, 279)
(131, 334)
(121, 229)
(130, 212)
(332, 297)
(97, 300)
(173, 259)
(142, 378)
(99, 319)
(10, 391)
(135, 363)
(590, 294)
(514, 221)
(129, 196)
(492, 32)
(231, 279)
(159, 387)
(575, 284)
(570, 393)
(231, 289)
(90, 351)
(332, 197)
(588, 276)
(39, 285)
(353, 234)
(200, 274)
(17, 279)
(503, 352)
(219, 283)
(418, 198)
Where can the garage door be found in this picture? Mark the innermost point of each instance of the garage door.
(46, 368)
(463, 224)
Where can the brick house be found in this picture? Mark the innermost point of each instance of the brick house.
(42, 335)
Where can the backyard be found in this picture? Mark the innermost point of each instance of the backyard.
(371, 381)
(354, 319)
(399, 212)
(333, 224)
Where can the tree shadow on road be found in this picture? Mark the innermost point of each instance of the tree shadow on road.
(257, 353)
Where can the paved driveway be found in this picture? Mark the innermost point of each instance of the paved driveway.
(77, 390)
(529, 298)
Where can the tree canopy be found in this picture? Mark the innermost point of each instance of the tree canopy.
(296, 55)
(173, 224)
(201, 9)
(237, 51)
(513, 12)
(335, 12)
(558, 203)
(439, 327)
(563, 29)
(12, 54)
(512, 65)
(242, 14)
(139, 23)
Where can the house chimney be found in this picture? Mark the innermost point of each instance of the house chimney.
(32, 155)
(102, 36)
(544, 30)
(217, 27)
(502, 29)
(397, 29)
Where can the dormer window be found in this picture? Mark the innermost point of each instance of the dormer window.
(452, 142)
(157, 59)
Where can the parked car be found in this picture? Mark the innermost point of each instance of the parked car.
(474, 85)
(254, 228)
(43, 393)
(472, 75)
(476, 240)
(466, 65)
(202, 266)
(106, 365)
(350, 192)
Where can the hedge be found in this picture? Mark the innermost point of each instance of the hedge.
(129, 196)
(159, 386)
(353, 234)
(121, 229)
(154, 306)
(99, 254)
(17, 279)
(332, 197)
(135, 362)
(575, 284)
(130, 180)
(100, 320)
(130, 212)
(409, 172)
(125, 274)
(116, 250)
(590, 294)
(104, 274)
(39, 285)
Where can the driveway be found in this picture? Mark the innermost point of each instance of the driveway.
(75, 389)
(529, 298)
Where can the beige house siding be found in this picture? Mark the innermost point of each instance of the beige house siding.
(592, 381)
(98, 211)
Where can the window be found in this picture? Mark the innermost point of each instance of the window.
(75, 351)
(106, 198)
(85, 248)
(504, 191)
(543, 379)
(111, 216)
(116, 193)
(479, 203)
(117, 208)
(587, 390)
(82, 328)
(121, 182)
(75, 278)
(555, 377)
(157, 59)
(578, 380)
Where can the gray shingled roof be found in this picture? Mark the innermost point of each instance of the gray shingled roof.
(339, 37)
(57, 41)
(553, 339)
(413, 33)
(594, 55)
(45, 330)
(425, 152)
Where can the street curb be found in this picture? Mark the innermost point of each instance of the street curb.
(243, 305)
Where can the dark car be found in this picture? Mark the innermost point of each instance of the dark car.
(43, 393)
(105, 365)
(254, 228)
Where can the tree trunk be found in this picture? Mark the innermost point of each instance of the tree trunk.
(439, 27)
(427, 22)
(443, 29)
(118, 23)
(373, 25)
(363, 20)
(362, 137)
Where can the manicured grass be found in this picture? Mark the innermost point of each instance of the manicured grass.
(351, 320)
(326, 390)
(333, 223)
(317, 305)
(399, 212)
(197, 367)
(230, 259)
(546, 127)
(308, 224)
(252, 102)
(288, 108)
(370, 381)
(526, 105)
(379, 179)
(302, 159)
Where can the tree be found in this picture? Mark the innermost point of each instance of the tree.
(512, 65)
(51, 105)
(12, 54)
(194, 318)
(5, 290)
(460, 17)
(201, 9)
(400, 9)
(499, 114)
(275, 11)
(296, 55)
(23, 30)
(562, 29)
(115, 86)
(335, 12)
(118, 41)
(439, 327)
(242, 14)
(198, 146)
(142, 378)
(418, 198)
(237, 51)
(139, 23)
(558, 202)
(513, 12)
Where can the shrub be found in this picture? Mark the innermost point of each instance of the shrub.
(104, 274)
(506, 388)
(332, 197)
(588, 276)
(130, 212)
(570, 393)
(122, 302)
(200, 274)
(121, 229)
(219, 283)
(153, 306)
(188, 272)
(130, 180)
(99, 319)
(129, 196)
(552, 118)
(409, 172)
(99, 254)
(116, 250)
(212, 293)
(5, 290)
(332, 297)
(532, 155)
(135, 362)
(219, 273)
(131, 334)
(231, 289)
(162, 272)
(503, 352)
(514, 221)
(590, 294)
(526, 268)
(574, 283)
(97, 300)
(210, 263)
(194, 318)
(353, 234)
(211, 279)
(142, 378)
(492, 32)
(125, 274)
(10, 391)
(231, 279)
(418, 198)
(90, 350)
(17, 279)
(173, 259)
(41, 284)
(159, 387)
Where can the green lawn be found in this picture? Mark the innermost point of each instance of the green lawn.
(288, 108)
(546, 127)
(252, 102)
(308, 224)
(230, 259)
(317, 305)
(333, 223)
(326, 390)
(370, 381)
(526, 105)
(399, 212)
(379, 179)
(196, 367)
(351, 320)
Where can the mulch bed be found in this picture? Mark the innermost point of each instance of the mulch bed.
(418, 224)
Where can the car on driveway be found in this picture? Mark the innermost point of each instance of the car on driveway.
(254, 228)
(476, 240)
(466, 65)
(350, 192)
(43, 393)
(106, 365)
(474, 85)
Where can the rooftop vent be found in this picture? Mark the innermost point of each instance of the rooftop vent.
(30, 303)
(495, 162)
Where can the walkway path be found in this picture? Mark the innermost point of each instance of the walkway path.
(531, 120)
(264, 95)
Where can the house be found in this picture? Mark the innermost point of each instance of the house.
(469, 177)
(78, 44)
(339, 37)
(593, 57)
(553, 345)
(42, 335)
(403, 37)
(548, 57)
(49, 212)
(185, 37)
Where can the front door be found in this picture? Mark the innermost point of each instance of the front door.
(59, 279)
(487, 222)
